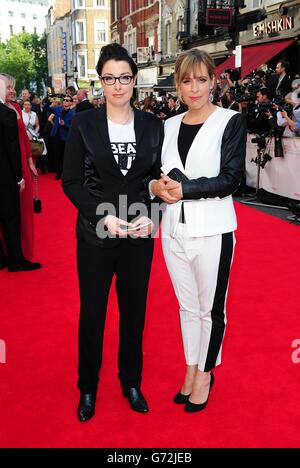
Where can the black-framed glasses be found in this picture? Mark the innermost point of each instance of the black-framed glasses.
(67, 100)
(110, 80)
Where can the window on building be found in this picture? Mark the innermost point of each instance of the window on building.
(34, 17)
(23, 29)
(79, 3)
(169, 38)
(81, 60)
(80, 31)
(100, 31)
(11, 29)
(130, 41)
(10, 13)
(180, 25)
(23, 15)
(34, 31)
(99, 3)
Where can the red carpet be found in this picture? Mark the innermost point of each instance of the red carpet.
(255, 401)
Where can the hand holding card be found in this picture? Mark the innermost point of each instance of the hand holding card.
(142, 227)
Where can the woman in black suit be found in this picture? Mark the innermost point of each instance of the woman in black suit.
(110, 154)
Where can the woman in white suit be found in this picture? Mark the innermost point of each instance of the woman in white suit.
(203, 153)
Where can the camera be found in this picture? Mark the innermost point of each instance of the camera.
(261, 142)
(244, 93)
(266, 106)
(288, 108)
(234, 74)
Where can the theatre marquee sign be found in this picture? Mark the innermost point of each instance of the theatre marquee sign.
(268, 27)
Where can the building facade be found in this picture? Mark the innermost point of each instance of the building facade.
(90, 24)
(59, 45)
(156, 32)
(136, 25)
(268, 31)
(280, 24)
(174, 27)
(17, 16)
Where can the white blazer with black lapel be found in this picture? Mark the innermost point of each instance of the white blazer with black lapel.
(204, 217)
(92, 176)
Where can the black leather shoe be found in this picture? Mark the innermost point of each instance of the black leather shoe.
(24, 265)
(193, 407)
(136, 399)
(86, 407)
(180, 398)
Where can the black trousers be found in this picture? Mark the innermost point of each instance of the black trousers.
(96, 267)
(10, 220)
(59, 151)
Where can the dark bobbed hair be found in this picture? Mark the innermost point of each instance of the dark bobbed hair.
(116, 52)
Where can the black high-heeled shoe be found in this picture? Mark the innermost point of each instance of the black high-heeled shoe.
(194, 407)
(180, 398)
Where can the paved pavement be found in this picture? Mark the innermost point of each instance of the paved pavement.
(277, 212)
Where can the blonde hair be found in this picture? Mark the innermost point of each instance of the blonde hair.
(10, 78)
(190, 61)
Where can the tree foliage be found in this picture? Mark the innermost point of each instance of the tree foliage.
(24, 57)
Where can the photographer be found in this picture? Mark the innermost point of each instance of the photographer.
(288, 114)
(261, 119)
(228, 81)
(232, 104)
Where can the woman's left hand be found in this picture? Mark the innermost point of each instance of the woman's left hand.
(174, 188)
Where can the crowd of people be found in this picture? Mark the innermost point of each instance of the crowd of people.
(269, 99)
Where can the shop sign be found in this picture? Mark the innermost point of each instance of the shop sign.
(267, 27)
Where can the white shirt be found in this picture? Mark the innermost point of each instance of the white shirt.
(123, 144)
(29, 118)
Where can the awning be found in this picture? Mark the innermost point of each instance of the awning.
(254, 56)
(167, 84)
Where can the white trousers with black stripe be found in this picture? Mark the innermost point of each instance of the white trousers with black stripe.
(199, 268)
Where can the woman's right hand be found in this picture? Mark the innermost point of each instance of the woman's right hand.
(159, 188)
(21, 185)
(114, 224)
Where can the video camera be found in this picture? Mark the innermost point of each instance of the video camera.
(261, 142)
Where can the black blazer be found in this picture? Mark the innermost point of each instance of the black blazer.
(91, 175)
(285, 86)
(10, 156)
(84, 105)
